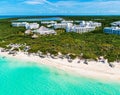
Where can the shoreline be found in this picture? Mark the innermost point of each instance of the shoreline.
(94, 70)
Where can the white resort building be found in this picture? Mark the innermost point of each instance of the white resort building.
(115, 24)
(32, 26)
(65, 21)
(43, 31)
(90, 24)
(84, 26)
(63, 24)
(48, 22)
(26, 25)
(19, 24)
(79, 29)
(60, 25)
(112, 30)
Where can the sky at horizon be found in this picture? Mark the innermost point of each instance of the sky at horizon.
(59, 7)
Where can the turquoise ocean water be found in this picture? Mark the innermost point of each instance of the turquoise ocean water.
(27, 78)
(6, 17)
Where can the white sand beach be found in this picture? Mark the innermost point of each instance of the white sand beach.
(94, 69)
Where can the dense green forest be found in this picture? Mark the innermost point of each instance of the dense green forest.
(92, 44)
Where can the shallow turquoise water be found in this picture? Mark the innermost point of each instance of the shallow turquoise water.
(27, 78)
(41, 19)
